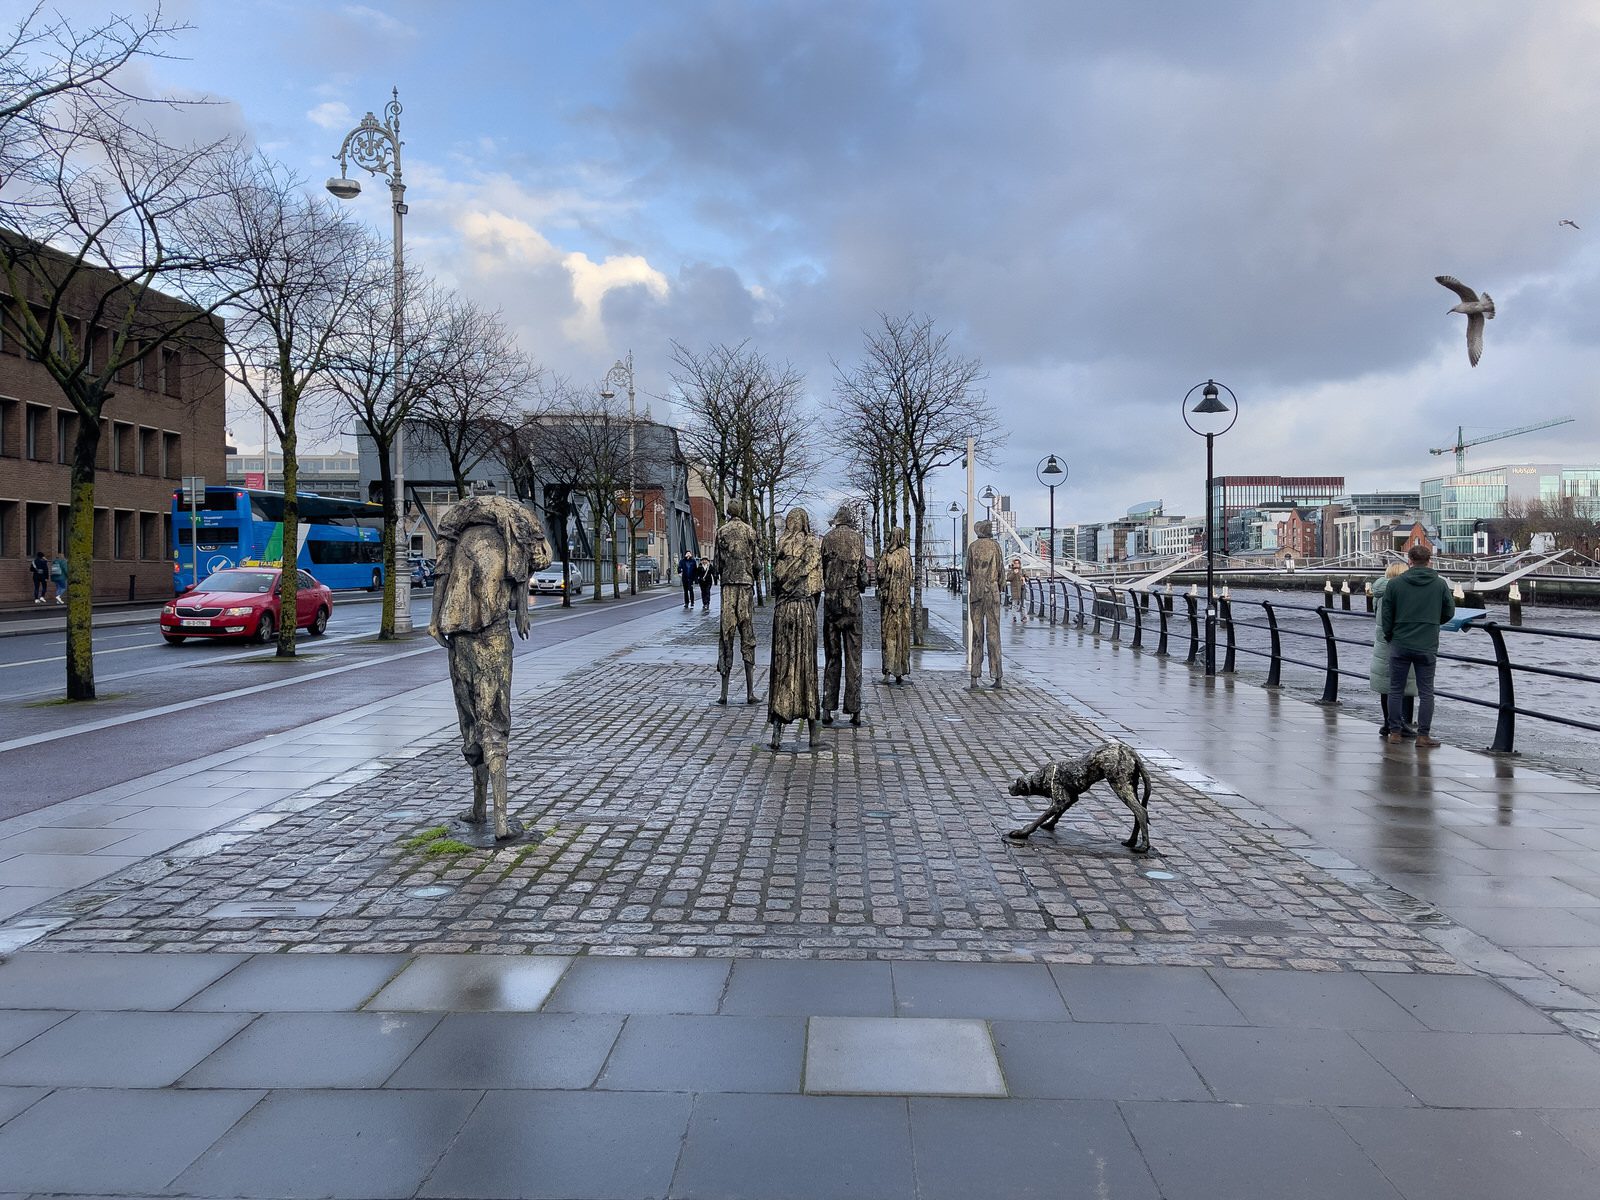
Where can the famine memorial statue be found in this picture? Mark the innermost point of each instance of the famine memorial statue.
(894, 606)
(488, 547)
(984, 569)
(734, 563)
(844, 578)
(796, 584)
(1063, 781)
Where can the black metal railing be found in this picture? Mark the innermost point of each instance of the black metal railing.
(1313, 643)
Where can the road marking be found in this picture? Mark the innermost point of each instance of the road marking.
(255, 689)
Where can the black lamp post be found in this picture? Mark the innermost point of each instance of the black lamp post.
(1216, 418)
(1052, 473)
(955, 544)
(988, 497)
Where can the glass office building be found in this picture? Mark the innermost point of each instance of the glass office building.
(1235, 494)
(1454, 504)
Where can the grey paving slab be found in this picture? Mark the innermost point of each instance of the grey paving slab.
(119, 1049)
(60, 870)
(1578, 967)
(115, 1143)
(511, 1050)
(313, 1050)
(782, 987)
(1491, 1070)
(992, 991)
(706, 1054)
(1432, 1154)
(60, 841)
(108, 981)
(17, 1027)
(14, 1100)
(459, 983)
(565, 1146)
(14, 900)
(1580, 1127)
(1252, 1152)
(1289, 1066)
(1322, 1000)
(299, 983)
(331, 1144)
(1160, 995)
(888, 1056)
(1463, 1004)
(830, 1148)
(1094, 1061)
(1025, 1150)
(634, 985)
(1531, 927)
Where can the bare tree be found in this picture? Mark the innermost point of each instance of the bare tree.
(911, 381)
(379, 363)
(582, 443)
(95, 204)
(295, 268)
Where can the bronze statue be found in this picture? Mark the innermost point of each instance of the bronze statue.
(796, 585)
(985, 564)
(894, 606)
(488, 547)
(1063, 781)
(734, 563)
(844, 578)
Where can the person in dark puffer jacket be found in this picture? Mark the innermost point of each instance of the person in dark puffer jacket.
(1414, 606)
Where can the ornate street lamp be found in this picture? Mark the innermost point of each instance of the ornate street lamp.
(1216, 417)
(374, 146)
(622, 372)
(1052, 473)
(955, 544)
(988, 497)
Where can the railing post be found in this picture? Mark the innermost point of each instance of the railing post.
(1096, 593)
(1226, 609)
(1194, 627)
(1275, 669)
(1116, 615)
(1505, 726)
(1161, 613)
(1078, 588)
(1330, 682)
(1138, 621)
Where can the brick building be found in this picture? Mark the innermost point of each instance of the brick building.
(164, 421)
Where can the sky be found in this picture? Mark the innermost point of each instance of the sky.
(1105, 203)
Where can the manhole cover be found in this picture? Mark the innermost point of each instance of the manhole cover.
(432, 892)
(271, 908)
(1246, 925)
(1159, 875)
(1407, 907)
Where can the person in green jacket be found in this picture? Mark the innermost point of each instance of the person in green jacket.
(1414, 606)
(1378, 670)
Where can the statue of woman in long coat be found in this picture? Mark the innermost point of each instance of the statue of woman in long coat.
(792, 693)
(894, 604)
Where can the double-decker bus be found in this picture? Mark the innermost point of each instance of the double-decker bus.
(341, 541)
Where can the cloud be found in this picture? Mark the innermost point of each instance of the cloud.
(331, 114)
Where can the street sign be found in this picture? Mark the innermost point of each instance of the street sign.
(194, 489)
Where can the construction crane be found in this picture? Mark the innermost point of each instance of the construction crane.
(1460, 448)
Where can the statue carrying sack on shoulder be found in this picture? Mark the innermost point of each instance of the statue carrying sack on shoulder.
(734, 564)
(488, 547)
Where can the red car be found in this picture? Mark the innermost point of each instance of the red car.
(244, 602)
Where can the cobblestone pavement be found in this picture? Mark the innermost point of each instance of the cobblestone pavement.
(669, 829)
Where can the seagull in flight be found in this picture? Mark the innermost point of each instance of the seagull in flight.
(1475, 309)
(1564, 221)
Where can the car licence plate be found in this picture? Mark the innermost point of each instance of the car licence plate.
(191, 622)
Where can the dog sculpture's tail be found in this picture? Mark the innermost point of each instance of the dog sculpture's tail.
(1144, 778)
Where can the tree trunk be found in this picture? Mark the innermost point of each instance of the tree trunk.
(288, 582)
(599, 553)
(616, 582)
(80, 560)
(391, 525)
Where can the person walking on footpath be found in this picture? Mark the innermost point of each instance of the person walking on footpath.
(688, 568)
(58, 576)
(1378, 672)
(39, 568)
(1017, 585)
(1415, 604)
(705, 575)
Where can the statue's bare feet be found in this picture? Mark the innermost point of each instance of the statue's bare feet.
(472, 817)
(1017, 835)
(777, 735)
(855, 718)
(815, 739)
(827, 718)
(507, 829)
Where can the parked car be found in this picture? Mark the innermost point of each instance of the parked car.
(244, 602)
(647, 569)
(550, 579)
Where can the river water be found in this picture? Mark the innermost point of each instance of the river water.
(1572, 752)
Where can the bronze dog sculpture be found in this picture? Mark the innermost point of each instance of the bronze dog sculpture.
(1063, 782)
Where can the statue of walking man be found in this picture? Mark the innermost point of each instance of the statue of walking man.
(796, 588)
(844, 578)
(985, 567)
(488, 547)
(894, 606)
(734, 562)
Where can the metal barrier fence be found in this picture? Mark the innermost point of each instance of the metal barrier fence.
(1103, 611)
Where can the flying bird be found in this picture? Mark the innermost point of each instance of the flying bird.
(1564, 221)
(1475, 309)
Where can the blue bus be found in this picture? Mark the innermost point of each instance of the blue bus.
(341, 541)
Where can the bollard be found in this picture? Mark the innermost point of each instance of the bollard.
(1533, 588)
(1369, 597)
(1514, 596)
(1344, 595)
(1327, 594)
(1455, 590)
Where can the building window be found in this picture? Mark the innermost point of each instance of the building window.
(150, 536)
(8, 528)
(63, 529)
(125, 447)
(122, 534)
(36, 433)
(9, 342)
(37, 533)
(102, 533)
(66, 434)
(10, 434)
(172, 455)
(149, 451)
(172, 373)
(102, 449)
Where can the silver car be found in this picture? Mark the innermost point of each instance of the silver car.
(549, 579)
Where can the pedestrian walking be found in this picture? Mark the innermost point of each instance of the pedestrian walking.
(39, 568)
(1415, 604)
(688, 568)
(1017, 585)
(58, 576)
(1378, 672)
(705, 575)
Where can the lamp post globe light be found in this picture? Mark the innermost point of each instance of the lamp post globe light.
(988, 497)
(1215, 416)
(621, 372)
(374, 146)
(1052, 473)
